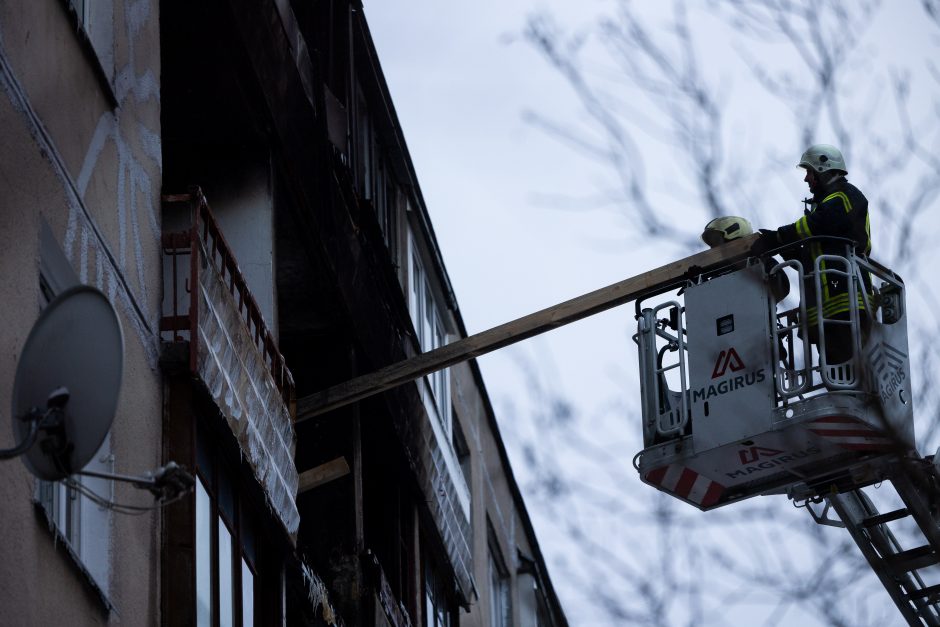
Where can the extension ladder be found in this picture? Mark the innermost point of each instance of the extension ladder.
(900, 570)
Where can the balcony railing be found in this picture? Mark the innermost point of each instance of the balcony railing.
(207, 303)
(205, 237)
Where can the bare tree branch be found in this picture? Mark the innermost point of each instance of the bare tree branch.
(703, 564)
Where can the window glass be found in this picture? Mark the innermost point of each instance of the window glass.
(461, 448)
(499, 592)
(203, 557)
(247, 534)
(392, 203)
(226, 495)
(96, 19)
(365, 148)
(441, 400)
(435, 611)
(439, 335)
(429, 613)
(226, 545)
(380, 200)
(248, 595)
(204, 461)
(426, 317)
(432, 333)
(226, 581)
(417, 289)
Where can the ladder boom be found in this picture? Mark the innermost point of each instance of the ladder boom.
(523, 328)
(900, 570)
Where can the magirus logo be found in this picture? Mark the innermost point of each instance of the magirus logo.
(760, 459)
(754, 453)
(727, 360)
(887, 368)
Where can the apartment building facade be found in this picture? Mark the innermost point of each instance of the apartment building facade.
(232, 175)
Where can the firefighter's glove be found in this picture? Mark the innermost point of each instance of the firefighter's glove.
(766, 240)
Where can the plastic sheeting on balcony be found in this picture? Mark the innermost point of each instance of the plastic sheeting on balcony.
(238, 379)
(232, 352)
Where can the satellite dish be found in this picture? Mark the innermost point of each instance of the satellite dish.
(67, 382)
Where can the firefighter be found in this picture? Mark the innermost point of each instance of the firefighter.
(837, 209)
(726, 228)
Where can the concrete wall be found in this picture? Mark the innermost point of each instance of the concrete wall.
(240, 194)
(494, 505)
(81, 151)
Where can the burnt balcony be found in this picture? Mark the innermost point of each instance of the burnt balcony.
(207, 304)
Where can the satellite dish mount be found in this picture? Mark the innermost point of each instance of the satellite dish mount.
(51, 424)
(72, 364)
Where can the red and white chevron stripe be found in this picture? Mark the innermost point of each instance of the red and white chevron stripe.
(850, 433)
(686, 484)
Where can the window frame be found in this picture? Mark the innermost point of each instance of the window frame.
(364, 145)
(432, 333)
(435, 389)
(374, 175)
(216, 476)
(84, 15)
(462, 450)
(500, 580)
(437, 607)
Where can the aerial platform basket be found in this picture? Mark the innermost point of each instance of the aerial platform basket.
(737, 403)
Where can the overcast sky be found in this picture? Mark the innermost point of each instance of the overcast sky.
(462, 78)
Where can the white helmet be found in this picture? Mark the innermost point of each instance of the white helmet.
(822, 158)
(725, 229)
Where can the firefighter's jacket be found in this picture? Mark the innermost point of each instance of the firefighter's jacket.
(840, 210)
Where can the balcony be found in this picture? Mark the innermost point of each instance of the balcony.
(231, 350)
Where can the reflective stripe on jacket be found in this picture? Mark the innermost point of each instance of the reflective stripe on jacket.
(841, 210)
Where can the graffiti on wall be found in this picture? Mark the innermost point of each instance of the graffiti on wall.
(121, 273)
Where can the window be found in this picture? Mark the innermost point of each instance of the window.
(81, 524)
(95, 26)
(225, 555)
(374, 177)
(416, 298)
(84, 525)
(436, 612)
(62, 505)
(531, 603)
(387, 200)
(439, 378)
(431, 331)
(379, 196)
(203, 556)
(462, 450)
(500, 607)
(364, 146)
(389, 218)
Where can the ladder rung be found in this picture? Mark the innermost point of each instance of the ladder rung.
(880, 519)
(930, 591)
(913, 559)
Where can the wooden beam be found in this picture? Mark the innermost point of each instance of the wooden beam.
(324, 473)
(511, 332)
